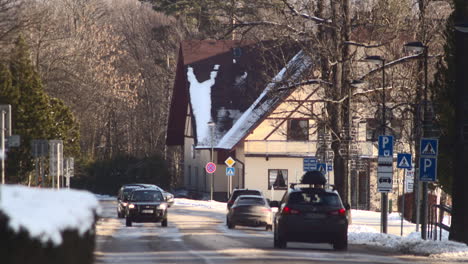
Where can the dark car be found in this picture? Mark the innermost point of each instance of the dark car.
(168, 197)
(146, 205)
(237, 192)
(250, 210)
(122, 197)
(311, 213)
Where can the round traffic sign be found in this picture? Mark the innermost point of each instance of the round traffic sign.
(210, 167)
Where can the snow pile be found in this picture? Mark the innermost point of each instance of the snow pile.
(365, 232)
(218, 206)
(44, 213)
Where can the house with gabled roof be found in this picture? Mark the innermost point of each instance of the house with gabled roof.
(260, 117)
(265, 124)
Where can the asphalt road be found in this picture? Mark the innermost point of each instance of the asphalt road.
(197, 236)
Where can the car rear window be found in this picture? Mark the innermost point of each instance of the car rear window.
(314, 198)
(245, 192)
(250, 200)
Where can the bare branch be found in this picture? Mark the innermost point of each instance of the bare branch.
(267, 23)
(318, 20)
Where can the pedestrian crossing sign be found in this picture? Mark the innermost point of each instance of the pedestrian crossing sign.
(429, 147)
(404, 161)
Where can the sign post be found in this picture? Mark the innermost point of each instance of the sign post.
(385, 176)
(427, 173)
(230, 172)
(403, 162)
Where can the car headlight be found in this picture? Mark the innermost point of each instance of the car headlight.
(131, 206)
(124, 204)
(162, 206)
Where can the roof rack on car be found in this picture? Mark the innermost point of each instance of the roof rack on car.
(317, 186)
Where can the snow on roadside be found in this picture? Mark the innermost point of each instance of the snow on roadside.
(44, 213)
(363, 234)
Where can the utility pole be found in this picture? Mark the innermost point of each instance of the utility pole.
(5, 116)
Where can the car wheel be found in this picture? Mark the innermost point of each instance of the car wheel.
(268, 227)
(279, 242)
(164, 223)
(128, 222)
(341, 243)
(231, 225)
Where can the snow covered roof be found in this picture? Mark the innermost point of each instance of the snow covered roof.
(272, 94)
(219, 80)
(45, 213)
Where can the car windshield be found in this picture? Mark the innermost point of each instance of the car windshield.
(147, 196)
(250, 201)
(313, 198)
(127, 192)
(244, 192)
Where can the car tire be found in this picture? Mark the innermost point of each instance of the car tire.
(231, 225)
(128, 222)
(269, 227)
(341, 243)
(164, 223)
(279, 242)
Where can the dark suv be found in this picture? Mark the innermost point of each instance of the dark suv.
(311, 214)
(122, 197)
(237, 192)
(146, 205)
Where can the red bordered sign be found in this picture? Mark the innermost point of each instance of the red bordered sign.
(210, 167)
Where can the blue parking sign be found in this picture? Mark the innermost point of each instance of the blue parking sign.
(427, 169)
(386, 146)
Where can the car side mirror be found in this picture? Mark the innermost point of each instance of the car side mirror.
(274, 204)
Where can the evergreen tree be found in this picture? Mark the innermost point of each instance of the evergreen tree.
(34, 114)
(447, 95)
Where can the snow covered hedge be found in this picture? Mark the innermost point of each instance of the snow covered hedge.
(47, 226)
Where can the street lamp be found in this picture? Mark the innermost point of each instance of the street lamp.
(211, 124)
(419, 47)
(384, 196)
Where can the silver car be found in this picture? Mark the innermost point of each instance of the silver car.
(250, 210)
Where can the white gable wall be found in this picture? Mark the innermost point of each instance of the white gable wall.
(267, 147)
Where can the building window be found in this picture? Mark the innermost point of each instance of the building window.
(298, 129)
(278, 179)
(236, 52)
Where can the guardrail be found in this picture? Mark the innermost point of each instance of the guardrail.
(436, 217)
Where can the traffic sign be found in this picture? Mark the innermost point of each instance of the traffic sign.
(310, 164)
(427, 169)
(230, 162)
(210, 167)
(409, 180)
(404, 161)
(329, 167)
(386, 146)
(230, 171)
(322, 167)
(429, 147)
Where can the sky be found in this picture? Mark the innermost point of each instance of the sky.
(31, 208)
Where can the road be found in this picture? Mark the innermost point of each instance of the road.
(201, 236)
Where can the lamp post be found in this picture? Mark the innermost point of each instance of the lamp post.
(419, 47)
(211, 124)
(384, 196)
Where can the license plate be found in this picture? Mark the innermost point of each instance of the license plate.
(147, 211)
(315, 216)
